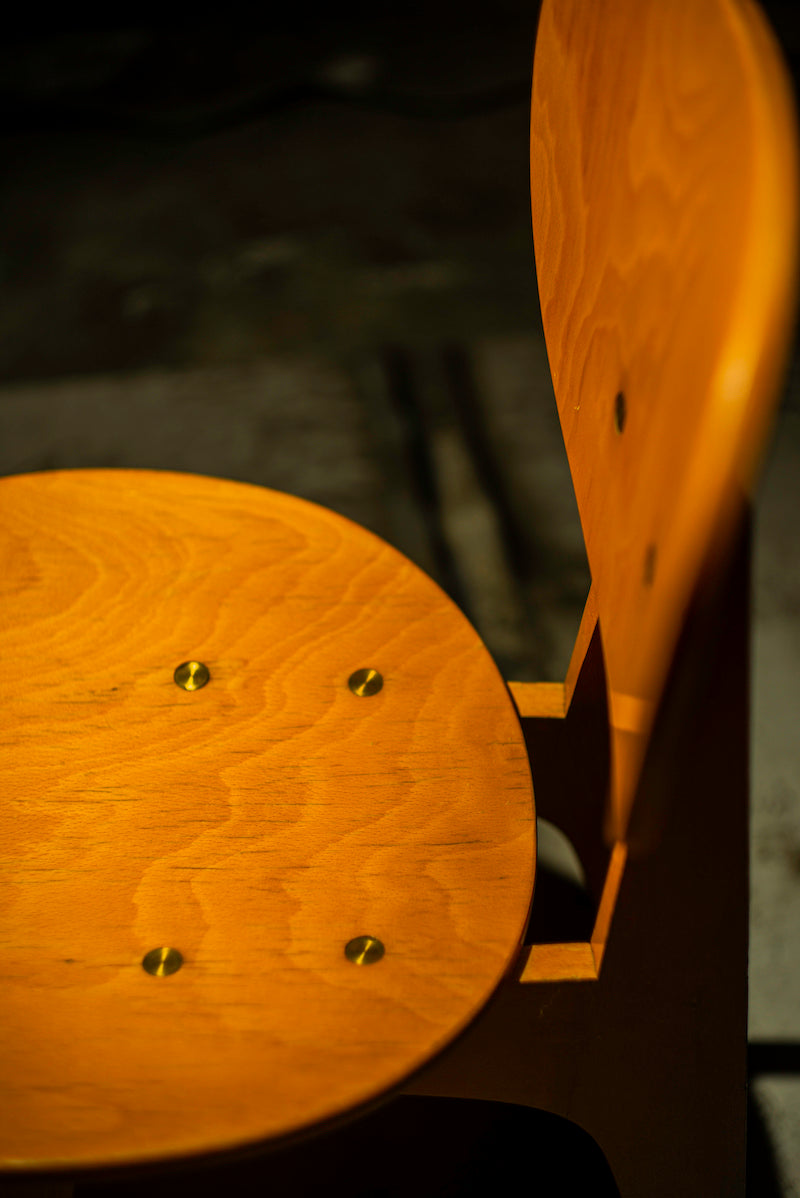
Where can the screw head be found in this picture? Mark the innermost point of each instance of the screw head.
(160, 962)
(364, 950)
(365, 683)
(191, 675)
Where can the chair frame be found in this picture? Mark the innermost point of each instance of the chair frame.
(638, 1033)
(643, 1043)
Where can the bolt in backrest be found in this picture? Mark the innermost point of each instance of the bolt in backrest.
(664, 192)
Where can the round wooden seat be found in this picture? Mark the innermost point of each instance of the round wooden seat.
(255, 825)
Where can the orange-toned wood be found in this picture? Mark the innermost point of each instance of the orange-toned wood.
(608, 902)
(570, 766)
(665, 201)
(256, 825)
(538, 700)
(650, 1058)
(578, 961)
(267, 818)
(551, 700)
(583, 640)
(558, 963)
(573, 807)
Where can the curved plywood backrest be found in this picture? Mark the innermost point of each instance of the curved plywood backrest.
(664, 194)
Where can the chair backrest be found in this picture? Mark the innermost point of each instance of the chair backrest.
(664, 184)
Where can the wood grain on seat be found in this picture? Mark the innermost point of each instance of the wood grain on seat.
(256, 825)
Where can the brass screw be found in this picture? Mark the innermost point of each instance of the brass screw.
(365, 682)
(161, 962)
(191, 675)
(364, 950)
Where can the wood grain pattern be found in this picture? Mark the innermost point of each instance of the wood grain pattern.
(665, 199)
(538, 700)
(256, 825)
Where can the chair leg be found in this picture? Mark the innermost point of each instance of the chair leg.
(650, 1059)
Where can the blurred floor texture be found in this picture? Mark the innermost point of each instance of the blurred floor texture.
(302, 258)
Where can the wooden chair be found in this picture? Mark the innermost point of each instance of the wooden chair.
(268, 822)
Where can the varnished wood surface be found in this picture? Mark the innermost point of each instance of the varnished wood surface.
(543, 700)
(571, 962)
(579, 960)
(256, 825)
(665, 199)
(650, 1058)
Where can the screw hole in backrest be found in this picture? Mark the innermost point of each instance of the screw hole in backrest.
(649, 573)
(620, 412)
